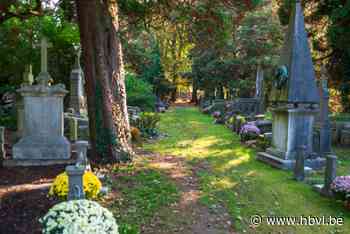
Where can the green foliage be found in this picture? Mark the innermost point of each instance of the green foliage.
(139, 93)
(17, 38)
(147, 123)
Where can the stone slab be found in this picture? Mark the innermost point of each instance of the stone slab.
(42, 147)
(284, 164)
(33, 162)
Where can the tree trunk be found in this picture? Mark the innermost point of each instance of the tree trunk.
(194, 98)
(105, 81)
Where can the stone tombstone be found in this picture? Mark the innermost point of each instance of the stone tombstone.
(43, 141)
(75, 181)
(299, 173)
(325, 128)
(330, 174)
(295, 99)
(77, 97)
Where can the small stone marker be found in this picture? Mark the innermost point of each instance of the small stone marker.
(330, 174)
(75, 180)
(299, 173)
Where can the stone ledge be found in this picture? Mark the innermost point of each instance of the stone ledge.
(33, 162)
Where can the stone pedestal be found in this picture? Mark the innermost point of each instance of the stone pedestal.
(43, 141)
(75, 181)
(291, 128)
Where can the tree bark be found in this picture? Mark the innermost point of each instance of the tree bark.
(105, 80)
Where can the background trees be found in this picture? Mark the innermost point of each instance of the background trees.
(213, 46)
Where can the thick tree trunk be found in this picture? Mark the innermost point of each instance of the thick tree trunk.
(105, 86)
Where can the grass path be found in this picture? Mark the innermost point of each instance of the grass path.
(235, 180)
(201, 180)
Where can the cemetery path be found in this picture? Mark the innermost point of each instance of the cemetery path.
(187, 215)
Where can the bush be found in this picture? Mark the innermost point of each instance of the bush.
(147, 123)
(139, 93)
(92, 185)
(79, 217)
(135, 134)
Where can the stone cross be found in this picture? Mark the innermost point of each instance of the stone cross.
(330, 174)
(44, 77)
(299, 173)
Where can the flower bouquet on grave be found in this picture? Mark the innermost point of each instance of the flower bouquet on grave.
(249, 132)
(92, 186)
(79, 217)
(341, 188)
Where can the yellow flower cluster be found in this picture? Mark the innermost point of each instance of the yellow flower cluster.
(91, 184)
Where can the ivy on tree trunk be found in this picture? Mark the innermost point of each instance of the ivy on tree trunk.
(105, 80)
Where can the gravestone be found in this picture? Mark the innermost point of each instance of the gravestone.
(325, 128)
(329, 176)
(43, 142)
(77, 97)
(295, 100)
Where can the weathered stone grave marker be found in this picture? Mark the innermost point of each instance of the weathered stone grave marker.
(295, 100)
(43, 142)
(77, 97)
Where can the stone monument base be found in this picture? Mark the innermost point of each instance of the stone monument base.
(288, 164)
(32, 162)
(42, 148)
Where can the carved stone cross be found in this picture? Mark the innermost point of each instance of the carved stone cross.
(44, 77)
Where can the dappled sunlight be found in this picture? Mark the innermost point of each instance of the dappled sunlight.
(234, 163)
(224, 183)
(251, 173)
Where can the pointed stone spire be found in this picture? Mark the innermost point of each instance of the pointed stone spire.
(296, 56)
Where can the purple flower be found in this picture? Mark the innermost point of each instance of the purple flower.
(216, 114)
(341, 184)
(249, 128)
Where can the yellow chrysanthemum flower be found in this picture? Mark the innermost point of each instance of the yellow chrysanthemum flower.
(91, 184)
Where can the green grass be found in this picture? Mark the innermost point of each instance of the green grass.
(245, 186)
(142, 192)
